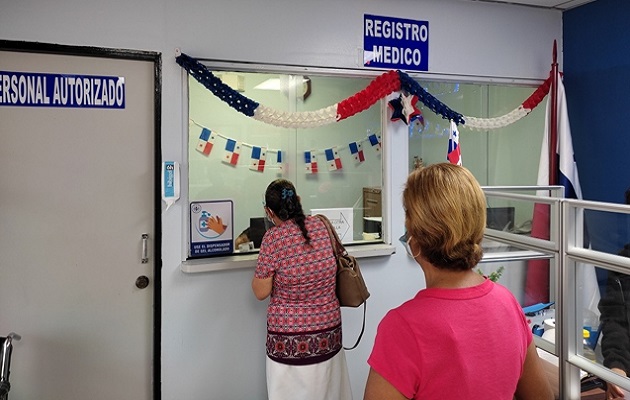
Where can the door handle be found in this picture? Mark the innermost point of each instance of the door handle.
(145, 239)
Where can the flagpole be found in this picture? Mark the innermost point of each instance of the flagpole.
(553, 120)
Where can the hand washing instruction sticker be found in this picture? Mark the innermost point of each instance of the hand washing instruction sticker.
(211, 228)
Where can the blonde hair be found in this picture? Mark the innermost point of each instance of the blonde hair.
(445, 213)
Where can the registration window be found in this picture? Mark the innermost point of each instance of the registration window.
(335, 167)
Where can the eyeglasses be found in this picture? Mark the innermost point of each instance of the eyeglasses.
(405, 239)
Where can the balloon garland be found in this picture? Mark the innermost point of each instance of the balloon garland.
(383, 85)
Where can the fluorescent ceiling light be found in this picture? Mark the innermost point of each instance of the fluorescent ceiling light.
(269, 84)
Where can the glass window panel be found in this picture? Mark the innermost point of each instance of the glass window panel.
(608, 232)
(211, 178)
(504, 156)
(603, 314)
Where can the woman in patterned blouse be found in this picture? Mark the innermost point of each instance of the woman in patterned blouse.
(296, 267)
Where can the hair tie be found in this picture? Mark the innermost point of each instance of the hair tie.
(286, 193)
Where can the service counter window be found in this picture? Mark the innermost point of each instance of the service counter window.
(504, 150)
(335, 167)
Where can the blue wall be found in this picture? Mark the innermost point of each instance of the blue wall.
(597, 81)
(596, 59)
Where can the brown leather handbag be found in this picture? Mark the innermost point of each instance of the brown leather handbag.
(351, 288)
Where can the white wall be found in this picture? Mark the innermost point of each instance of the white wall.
(213, 328)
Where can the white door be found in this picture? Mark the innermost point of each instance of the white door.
(77, 193)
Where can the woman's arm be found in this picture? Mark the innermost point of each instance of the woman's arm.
(377, 388)
(533, 383)
(262, 287)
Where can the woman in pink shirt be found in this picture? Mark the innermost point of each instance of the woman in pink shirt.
(463, 337)
(297, 268)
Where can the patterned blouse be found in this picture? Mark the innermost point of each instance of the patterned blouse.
(303, 316)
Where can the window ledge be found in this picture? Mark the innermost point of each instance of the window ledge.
(249, 261)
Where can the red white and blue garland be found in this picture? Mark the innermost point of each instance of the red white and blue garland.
(403, 107)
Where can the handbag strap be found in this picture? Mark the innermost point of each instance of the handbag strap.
(339, 249)
(334, 238)
(362, 330)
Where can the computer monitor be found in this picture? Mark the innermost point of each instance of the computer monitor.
(257, 230)
(500, 218)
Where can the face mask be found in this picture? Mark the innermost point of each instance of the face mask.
(268, 221)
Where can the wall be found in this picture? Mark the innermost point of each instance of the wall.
(213, 328)
(597, 78)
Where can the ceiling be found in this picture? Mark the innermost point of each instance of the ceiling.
(554, 4)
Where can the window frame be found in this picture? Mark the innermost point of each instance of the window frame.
(238, 261)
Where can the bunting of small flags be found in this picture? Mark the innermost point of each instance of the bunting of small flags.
(206, 141)
(258, 160)
(259, 155)
(311, 161)
(454, 154)
(356, 149)
(232, 151)
(375, 141)
(333, 159)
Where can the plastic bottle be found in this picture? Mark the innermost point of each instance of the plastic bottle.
(587, 351)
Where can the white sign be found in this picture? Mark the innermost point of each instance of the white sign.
(211, 230)
(341, 219)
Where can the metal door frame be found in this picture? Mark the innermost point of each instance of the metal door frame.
(137, 55)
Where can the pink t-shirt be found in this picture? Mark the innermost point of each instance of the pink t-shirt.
(454, 344)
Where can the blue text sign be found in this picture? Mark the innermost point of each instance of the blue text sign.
(33, 89)
(395, 43)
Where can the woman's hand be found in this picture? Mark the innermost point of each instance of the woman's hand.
(613, 391)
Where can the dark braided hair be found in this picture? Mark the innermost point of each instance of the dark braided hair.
(282, 199)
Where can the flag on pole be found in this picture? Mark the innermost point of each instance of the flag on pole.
(232, 151)
(310, 161)
(333, 159)
(454, 154)
(206, 141)
(259, 155)
(537, 280)
(356, 149)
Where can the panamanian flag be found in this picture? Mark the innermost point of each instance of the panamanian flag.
(280, 158)
(333, 159)
(259, 155)
(232, 151)
(356, 149)
(310, 161)
(375, 141)
(206, 141)
(454, 154)
(537, 285)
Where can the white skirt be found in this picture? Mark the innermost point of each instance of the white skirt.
(327, 380)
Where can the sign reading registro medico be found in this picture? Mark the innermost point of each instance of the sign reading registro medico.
(395, 43)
